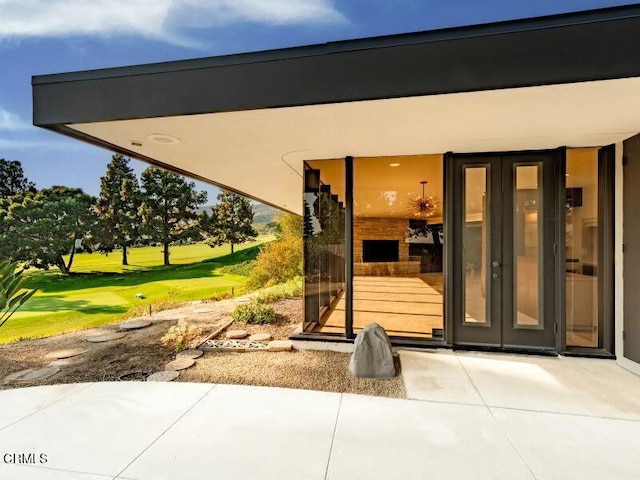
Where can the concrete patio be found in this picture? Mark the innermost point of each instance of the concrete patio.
(471, 416)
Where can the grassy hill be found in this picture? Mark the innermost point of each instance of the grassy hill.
(102, 291)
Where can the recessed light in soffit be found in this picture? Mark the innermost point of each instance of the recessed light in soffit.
(163, 139)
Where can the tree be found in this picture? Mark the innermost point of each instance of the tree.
(43, 227)
(12, 179)
(168, 208)
(118, 205)
(231, 221)
(12, 290)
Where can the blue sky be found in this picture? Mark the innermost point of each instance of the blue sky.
(49, 36)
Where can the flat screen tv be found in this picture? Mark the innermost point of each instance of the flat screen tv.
(380, 250)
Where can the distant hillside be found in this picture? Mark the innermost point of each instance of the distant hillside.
(262, 214)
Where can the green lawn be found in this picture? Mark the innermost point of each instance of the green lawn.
(101, 291)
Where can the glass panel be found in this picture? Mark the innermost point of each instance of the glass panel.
(527, 242)
(581, 231)
(324, 243)
(398, 245)
(476, 242)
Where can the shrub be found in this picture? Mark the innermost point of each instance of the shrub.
(217, 297)
(181, 335)
(280, 260)
(254, 312)
(243, 268)
(290, 289)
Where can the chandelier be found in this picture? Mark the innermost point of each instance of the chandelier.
(423, 206)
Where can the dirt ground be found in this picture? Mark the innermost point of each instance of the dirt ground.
(141, 353)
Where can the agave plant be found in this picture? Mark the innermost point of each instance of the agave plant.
(12, 290)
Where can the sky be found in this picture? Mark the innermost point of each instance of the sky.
(51, 36)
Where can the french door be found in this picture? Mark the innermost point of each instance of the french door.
(503, 262)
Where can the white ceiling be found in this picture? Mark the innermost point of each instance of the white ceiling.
(260, 152)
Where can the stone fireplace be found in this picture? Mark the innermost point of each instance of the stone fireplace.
(368, 229)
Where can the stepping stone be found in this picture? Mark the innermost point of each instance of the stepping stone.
(235, 334)
(65, 362)
(166, 376)
(135, 324)
(106, 337)
(72, 352)
(280, 346)
(260, 337)
(190, 353)
(204, 310)
(180, 364)
(30, 375)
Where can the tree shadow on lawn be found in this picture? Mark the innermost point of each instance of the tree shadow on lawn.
(59, 303)
(52, 282)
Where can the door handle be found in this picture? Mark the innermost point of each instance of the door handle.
(495, 264)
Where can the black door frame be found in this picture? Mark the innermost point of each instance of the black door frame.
(554, 185)
(606, 214)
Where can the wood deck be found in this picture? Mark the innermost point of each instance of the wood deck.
(405, 307)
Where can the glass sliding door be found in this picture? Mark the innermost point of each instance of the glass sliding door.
(398, 245)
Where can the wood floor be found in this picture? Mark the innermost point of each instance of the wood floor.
(405, 307)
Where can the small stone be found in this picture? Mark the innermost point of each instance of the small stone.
(135, 324)
(190, 353)
(106, 337)
(236, 334)
(166, 376)
(180, 364)
(31, 375)
(72, 352)
(372, 356)
(260, 337)
(280, 346)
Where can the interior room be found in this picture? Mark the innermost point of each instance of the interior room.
(397, 245)
(581, 230)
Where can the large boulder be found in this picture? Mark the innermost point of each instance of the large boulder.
(372, 356)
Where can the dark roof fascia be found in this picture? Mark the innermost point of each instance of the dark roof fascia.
(584, 46)
(438, 35)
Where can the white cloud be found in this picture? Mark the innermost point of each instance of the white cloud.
(10, 121)
(167, 20)
(35, 143)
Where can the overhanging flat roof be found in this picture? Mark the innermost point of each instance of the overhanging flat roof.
(247, 121)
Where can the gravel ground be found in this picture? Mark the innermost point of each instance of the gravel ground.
(309, 370)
